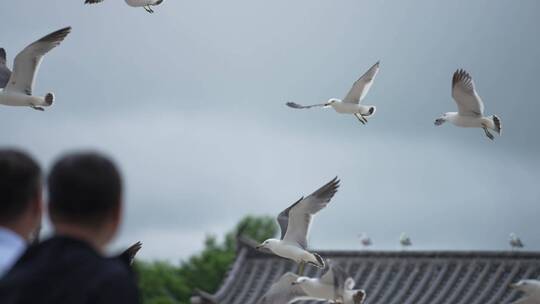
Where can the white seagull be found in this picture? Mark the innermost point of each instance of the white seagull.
(405, 240)
(295, 222)
(365, 239)
(515, 241)
(146, 4)
(17, 91)
(334, 285)
(470, 107)
(531, 288)
(352, 103)
(283, 291)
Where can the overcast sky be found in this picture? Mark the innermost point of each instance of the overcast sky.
(190, 102)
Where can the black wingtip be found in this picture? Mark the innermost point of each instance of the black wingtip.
(321, 264)
(2, 55)
(58, 35)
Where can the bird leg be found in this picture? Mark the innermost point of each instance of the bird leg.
(489, 135)
(301, 267)
(37, 108)
(148, 9)
(361, 118)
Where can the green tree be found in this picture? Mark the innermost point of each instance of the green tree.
(165, 283)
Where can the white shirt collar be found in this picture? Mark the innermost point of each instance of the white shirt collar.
(11, 248)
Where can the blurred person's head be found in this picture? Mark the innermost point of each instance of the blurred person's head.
(85, 197)
(20, 193)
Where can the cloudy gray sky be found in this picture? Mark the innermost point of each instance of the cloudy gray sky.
(190, 102)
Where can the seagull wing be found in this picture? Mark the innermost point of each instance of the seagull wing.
(361, 87)
(92, 1)
(296, 219)
(282, 291)
(294, 105)
(464, 93)
(335, 276)
(28, 60)
(5, 72)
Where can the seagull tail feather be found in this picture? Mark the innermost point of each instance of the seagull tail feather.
(359, 296)
(49, 99)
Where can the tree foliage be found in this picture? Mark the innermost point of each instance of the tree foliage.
(165, 283)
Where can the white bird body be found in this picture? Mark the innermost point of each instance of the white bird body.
(515, 241)
(334, 285)
(531, 288)
(142, 3)
(470, 107)
(291, 251)
(469, 121)
(350, 108)
(146, 4)
(295, 222)
(405, 240)
(316, 289)
(352, 103)
(365, 239)
(22, 100)
(17, 91)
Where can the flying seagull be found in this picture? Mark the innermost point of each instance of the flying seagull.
(352, 103)
(515, 241)
(531, 288)
(295, 222)
(365, 239)
(334, 285)
(405, 240)
(146, 4)
(470, 107)
(19, 87)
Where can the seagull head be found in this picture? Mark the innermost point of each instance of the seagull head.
(331, 101)
(268, 244)
(299, 281)
(439, 121)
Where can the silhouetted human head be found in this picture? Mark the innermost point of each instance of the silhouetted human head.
(20, 192)
(85, 194)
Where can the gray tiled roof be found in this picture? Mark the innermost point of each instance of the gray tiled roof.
(392, 277)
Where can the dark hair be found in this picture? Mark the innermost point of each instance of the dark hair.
(20, 182)
(83, 188)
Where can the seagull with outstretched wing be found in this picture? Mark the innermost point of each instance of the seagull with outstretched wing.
(146, 4)
(334, 285)
(18, 90)
(470, 112)
(352, 103)
(295, 222)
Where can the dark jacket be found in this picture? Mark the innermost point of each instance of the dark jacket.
(64, 270)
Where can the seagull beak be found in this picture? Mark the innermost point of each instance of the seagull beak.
(294, 283)
(513, 286)
(258, 247)
(439, 121)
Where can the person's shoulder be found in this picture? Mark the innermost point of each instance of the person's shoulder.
(115, 283)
